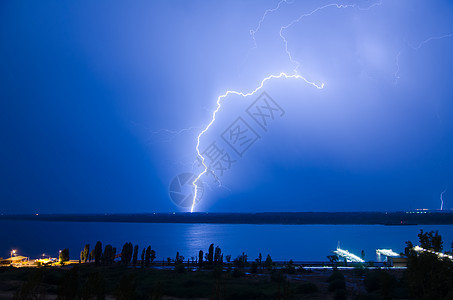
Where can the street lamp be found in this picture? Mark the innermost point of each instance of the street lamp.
(13, 252)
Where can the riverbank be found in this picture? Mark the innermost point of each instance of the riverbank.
(424, 217)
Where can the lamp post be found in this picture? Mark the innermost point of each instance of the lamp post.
(13, 252)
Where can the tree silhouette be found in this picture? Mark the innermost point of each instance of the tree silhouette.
(268, 262)
(179, 259)
(134, 259)
(428, 276)
(108, 255)
(200, 258)
(97, 252)
(217, 256)
(148, 256)
(64, 255)
(126, 253)
(143, 257)
(85, 254)
(152, 255)
(210, 254)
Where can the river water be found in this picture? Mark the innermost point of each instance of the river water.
(282, 242)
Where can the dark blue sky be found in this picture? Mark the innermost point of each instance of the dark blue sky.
(92, 93)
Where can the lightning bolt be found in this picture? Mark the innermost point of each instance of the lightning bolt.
(336, 5)
(219, 105)
(253, 31)
(281, 75)
(442, 199)
(416, 48)
(172, 133)
(433, 38)
(397, 59)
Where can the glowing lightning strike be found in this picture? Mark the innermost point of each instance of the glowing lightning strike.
(416, 48)
(174, 132)
(339, 6)
(281, 75)
(219, 105)
(285, 41)
(253, 31)
(442, 199)
(433, 38)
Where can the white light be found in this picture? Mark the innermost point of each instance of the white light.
(281, 75)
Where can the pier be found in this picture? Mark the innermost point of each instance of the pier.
(350, 257)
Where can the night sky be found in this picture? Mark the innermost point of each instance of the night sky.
(102, 102)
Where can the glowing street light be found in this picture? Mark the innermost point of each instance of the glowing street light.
(13, 252)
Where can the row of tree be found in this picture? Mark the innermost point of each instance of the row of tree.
(214, 257)
(128, 253)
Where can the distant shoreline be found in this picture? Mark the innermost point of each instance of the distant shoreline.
(282, 218)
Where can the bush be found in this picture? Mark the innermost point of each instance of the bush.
(335, 275)
(289, 268)
(126, 288)
(241, 261)
(341, 294)
(245, 293)
(306, 288)
(277, 277)
(303, 270)
(372, 282)
(31, 288)
(360, 270)
(237, 273)
(254, 268)
(337, 284)
(69, 286)
(217, 271)
(382, 281)
(179, 268)
(371, 296)
(94, 287)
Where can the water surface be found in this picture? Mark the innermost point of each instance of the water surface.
(282, 242)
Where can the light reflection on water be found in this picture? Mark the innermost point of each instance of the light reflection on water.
(282, 242)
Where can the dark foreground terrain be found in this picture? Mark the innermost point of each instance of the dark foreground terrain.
(99, 274)
(87, 281)
(363, 218)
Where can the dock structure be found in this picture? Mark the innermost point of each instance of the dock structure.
(350, 257)
(387, 252)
